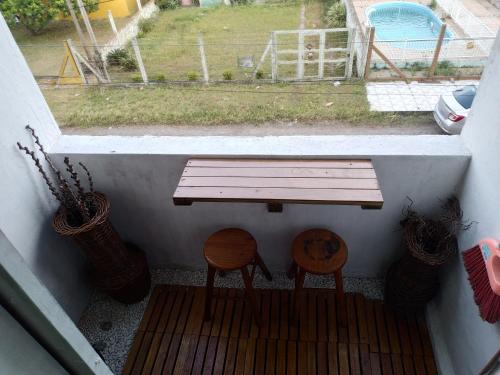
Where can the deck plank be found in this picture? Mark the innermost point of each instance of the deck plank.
(361, 319)
(381, 327)
(281, 358)
(271, 357)
(231, 356)
(369, 339)
(333, 359)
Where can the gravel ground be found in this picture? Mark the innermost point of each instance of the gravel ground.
(110, 326)
(274, 128)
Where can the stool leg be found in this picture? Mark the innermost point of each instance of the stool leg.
(251, 294)
(292, 271)
(209, 290)
(263, 267)
(299, 285)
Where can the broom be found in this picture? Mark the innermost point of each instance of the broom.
(482, 263)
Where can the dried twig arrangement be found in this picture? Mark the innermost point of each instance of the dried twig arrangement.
(433, 233)
(78, 204)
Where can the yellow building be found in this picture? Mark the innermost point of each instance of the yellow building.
(119, 8)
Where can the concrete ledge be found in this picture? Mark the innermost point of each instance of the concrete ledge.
(276, 146)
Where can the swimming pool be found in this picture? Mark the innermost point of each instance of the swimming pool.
(401, 22)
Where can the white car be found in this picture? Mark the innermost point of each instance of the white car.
(452, 109)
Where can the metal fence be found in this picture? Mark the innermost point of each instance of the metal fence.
(255, 59)
(469, 23)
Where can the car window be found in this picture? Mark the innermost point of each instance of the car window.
(465, 96)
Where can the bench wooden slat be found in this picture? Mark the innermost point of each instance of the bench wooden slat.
(258, 182)
(260, 163)
(279, 172)
(278, 181)
(280, 195)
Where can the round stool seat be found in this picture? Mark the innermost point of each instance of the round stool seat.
(230, 249)
(319, 251)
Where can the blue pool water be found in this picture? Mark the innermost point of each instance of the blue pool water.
(401, 22)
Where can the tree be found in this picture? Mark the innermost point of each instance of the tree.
(36, 15)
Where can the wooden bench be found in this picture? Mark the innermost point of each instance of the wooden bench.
(279, 181)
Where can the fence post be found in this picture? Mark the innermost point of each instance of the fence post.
(274, 57)
(371, 36)
(112, 22)
(300, 56)
(262, 58)
(203, 58)
(351, 41)
(321, 54)
(437, 50)
(138, 57)
(139, 5)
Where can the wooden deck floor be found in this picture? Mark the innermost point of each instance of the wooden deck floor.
(362, 337)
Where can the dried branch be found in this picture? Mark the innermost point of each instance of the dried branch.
(63, 185)
(74, 177)
(91, 182)
(75, 203)
(452, 216)
(81, 192)
(41, 170)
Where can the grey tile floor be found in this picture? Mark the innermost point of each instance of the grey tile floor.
(110, 326)
(401, 97)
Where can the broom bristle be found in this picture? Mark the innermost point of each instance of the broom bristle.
(485, 298)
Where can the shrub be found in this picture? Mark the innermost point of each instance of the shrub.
(35, 15)
(227, 75)
(145, 26)
(116, 56)
(336, 16)
(259, 74)
(192, 76)
(137, 79)
(167, 4)
(129, 64)
(417, 66)
(433, 4)
(159, 78)
(445, 68)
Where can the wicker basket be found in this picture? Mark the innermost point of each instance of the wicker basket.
(413, 280)
(118, 269)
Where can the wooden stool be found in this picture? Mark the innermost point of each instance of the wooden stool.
(228, 250)
(319, 252)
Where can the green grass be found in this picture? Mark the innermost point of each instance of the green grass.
(170, 48)
(44, 52)
(212, 105)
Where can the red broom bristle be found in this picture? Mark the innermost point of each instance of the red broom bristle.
(487, 301)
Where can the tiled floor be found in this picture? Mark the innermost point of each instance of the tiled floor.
(401, 97)
(354, 335)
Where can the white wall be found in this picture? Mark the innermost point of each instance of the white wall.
(140, 174)
(27, 206)
(20, 353)
(469, 341)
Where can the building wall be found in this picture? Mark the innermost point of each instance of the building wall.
(27, 205)
(119, 8)
(454, 316)
(140, 174)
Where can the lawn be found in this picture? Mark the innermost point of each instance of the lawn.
(44, 52)
(170, 49)
(214, 104)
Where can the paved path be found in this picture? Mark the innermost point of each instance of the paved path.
(413, 97)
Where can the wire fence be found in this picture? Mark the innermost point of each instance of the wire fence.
(245, 59)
